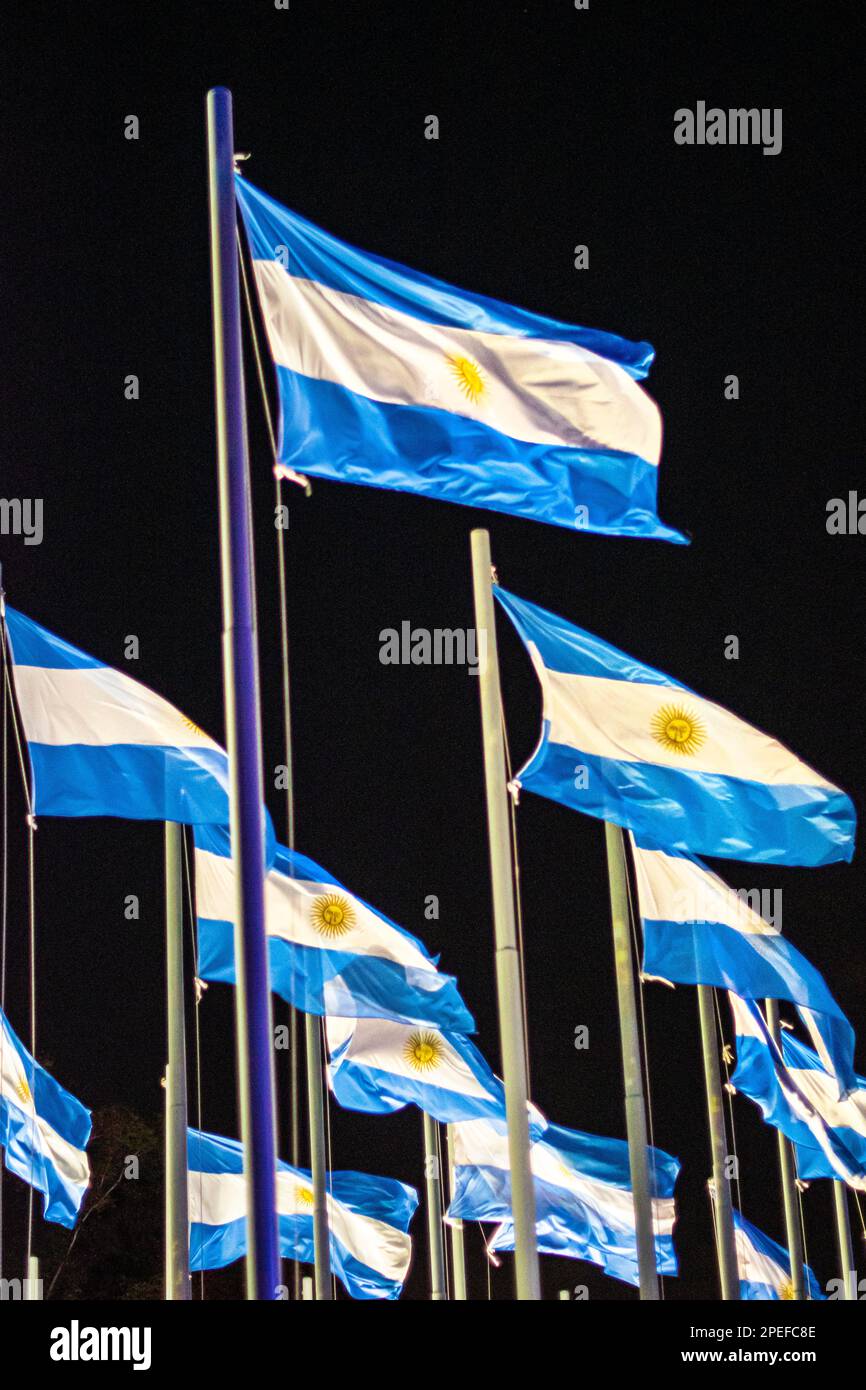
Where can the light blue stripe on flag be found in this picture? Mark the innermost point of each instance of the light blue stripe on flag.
(628, 744)
(390, 378)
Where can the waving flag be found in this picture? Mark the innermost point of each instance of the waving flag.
(43, 1129)
(806, 1114)
(583, 1198)
(845, 1118)
(330, 953)
(368, 1218)
(765, 1267)
(392, 379)
(101, 744)
(628, 744)
(381, 1066)
(697, 931)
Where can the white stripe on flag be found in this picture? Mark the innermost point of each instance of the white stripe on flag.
(385, 1045)
(98, 706)
(671, 889)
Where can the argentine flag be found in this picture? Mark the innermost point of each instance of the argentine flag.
(43, 1129)
(800, 1097)
(627, 743)
(330, 953)
(764, 1266)
(381, 1066)
(697, 931)
(392, 379)
(101, 744)
(368, 1218)
(583, 1199)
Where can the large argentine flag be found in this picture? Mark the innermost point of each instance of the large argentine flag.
(43, 1129)
(764, 1266)
(583, 1198)
(381, 1066)
(368, 1218)
(627, 743)
(392, 379)
(801, 1100)
(697, 931)
(101, 744)
(330, 952)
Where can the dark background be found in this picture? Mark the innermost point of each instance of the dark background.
(556, 128)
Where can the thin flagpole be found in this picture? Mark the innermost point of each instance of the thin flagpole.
(509, 989)
(455, 1228)
(433, 1187)
(843, 1235)
(318, 1166)
(177, 1282)
(243, 730)
(726, 1248)
(635, 1104)
(788, 1174)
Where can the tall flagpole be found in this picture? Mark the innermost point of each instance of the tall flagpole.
(318, 1166)
(509, 974)
(788, 1174)
(726, 1248)
(455, 1228)
(635, 1105)
(177, 1284)
(433, 1186)
(843, 1235)
(241, 683)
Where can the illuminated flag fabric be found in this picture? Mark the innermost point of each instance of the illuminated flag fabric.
(381, 1066)
(627, 743)
(368, 1218)
(330, 952)
(43, 1129)
(583, 1198)
(845, 1117)
(392, 379)
(101, 744)
(698, 931)
(801, 1103)
(764, 1266)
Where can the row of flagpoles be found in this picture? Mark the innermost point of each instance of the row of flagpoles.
(630, 729)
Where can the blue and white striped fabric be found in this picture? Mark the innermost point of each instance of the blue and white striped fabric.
(800, 1101)
(846, 1117)
(628, 744)
(764, 1266)
(330, 952)
(698, 931)
(381, 1066)
(583, 1198)
(392, 379)
(368, 1218)
(43, 1129)
(101, 744)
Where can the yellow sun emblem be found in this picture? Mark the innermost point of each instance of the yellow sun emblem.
(332, 915)
(468, 376)
(786, 1289)
(193, 727)
(22, 1090)
(423, 1051)
(304, 1198)
(678, 730)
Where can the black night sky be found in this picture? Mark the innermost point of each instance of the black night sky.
(556, 129)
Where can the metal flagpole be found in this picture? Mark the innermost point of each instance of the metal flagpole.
(843, 1235)
(433, 1185)
(635, 1106)
(726, 1248)
(509, 986)
(318, 1166)
(788, 1173)
(241, 682)
(455, 1227)
(177, 1283)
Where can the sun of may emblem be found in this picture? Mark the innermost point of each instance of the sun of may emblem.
(193, 727)
(422, 1051)
(786, 1289)
(332, 915)
(304, 1198)
(468, 376)
(22, 1090)
(678, 730)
